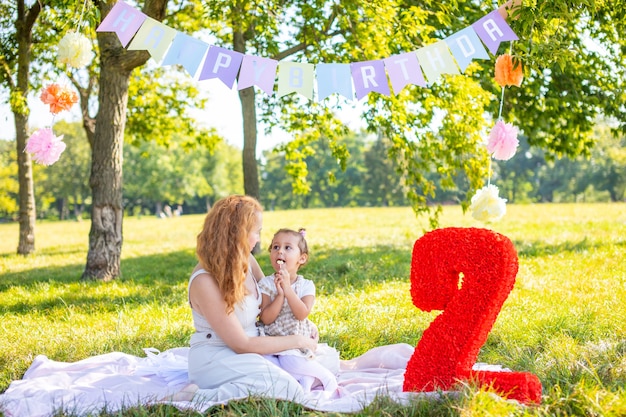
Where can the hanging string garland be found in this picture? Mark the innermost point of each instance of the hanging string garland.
(74, 50)
(486, 205)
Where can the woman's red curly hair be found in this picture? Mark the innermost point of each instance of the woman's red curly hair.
(222, 245)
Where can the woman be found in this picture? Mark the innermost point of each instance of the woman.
(225, 358)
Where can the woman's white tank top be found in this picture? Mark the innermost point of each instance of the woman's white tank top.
(247, 312)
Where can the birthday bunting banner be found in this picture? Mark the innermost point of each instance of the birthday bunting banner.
(421, 67)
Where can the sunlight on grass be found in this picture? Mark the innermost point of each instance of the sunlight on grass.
(563, 321)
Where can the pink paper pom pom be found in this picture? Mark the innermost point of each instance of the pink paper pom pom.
(503, 141)
(45, 147)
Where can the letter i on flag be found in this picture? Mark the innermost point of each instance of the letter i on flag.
(124, 20)
(334, 78)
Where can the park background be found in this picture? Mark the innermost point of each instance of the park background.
(156, 176)
(563, 321)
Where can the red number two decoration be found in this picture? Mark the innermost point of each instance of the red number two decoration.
(468, 273)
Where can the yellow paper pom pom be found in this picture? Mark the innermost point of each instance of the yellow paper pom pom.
(486, 205)
(75, 50)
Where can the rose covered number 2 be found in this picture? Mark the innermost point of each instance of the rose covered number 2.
(468, 273)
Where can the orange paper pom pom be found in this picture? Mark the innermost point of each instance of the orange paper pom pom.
(507, 72)
(59, 98)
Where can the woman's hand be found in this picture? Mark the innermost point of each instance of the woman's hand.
(308, 343)
(315, 334)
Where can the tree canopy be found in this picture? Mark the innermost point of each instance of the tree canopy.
(572, 55)
(571, 52)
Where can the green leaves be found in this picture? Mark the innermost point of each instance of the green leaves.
(160, 106)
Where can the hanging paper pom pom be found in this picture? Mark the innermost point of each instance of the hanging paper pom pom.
(59, 98)
(503, 141)
(486, 206)
(75, 50)
(45, 147)
(507, 73)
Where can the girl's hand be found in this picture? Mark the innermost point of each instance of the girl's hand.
(278, 282)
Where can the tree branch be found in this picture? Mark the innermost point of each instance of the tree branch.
(4, 65)
(112, 49)
(31, 16)
(290, 51)
(511, 6)
(303, 45)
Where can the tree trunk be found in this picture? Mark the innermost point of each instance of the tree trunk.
(248, 112)
(105, 236)
(62, 208)
(78, 210)
(27, 209)
(250, 169)
(116, 65)
(27, 212)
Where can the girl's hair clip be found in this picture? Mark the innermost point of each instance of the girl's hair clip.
(302, 231)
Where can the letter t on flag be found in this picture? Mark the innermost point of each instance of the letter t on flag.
(404, 69)
(124, 20)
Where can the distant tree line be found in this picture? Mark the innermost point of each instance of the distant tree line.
(158, 175)
(371, 177)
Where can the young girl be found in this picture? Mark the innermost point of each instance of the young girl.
(287, 301)
(227, 354)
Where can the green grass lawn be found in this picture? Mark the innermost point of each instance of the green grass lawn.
(564, 321)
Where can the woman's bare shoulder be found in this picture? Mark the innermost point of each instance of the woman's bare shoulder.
(201, 278)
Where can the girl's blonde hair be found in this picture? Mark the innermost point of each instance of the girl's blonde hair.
(222, 245)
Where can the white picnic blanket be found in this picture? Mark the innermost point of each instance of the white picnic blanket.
(116, 380)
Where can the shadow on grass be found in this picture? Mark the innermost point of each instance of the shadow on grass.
(162, 277)
(537, 248)
(144, 280)
(353, 268)
(155, 277)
